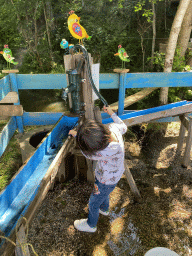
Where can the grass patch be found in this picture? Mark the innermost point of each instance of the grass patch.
(2, 124)
(10, 161)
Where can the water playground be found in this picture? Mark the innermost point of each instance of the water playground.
(57, 153)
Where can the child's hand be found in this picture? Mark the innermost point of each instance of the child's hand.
(108, 110)
(73, 133)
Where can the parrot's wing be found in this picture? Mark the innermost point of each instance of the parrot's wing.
(77, 29)
(6, 51)
(125, 55)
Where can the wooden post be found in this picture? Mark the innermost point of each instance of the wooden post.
(186, 158)
(21, 240)
(182, 132)
(89, 114)
(14, 87)
(131, 182)
(70, 62)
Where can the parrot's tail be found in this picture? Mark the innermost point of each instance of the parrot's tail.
(15, 63)
(88, 37)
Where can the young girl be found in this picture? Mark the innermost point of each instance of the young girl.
(98, 142)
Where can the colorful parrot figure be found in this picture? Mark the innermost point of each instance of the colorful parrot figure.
(122, 55)
(75, 28)
(7, 54)
(65, 45)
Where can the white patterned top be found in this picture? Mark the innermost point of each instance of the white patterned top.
(110, 161)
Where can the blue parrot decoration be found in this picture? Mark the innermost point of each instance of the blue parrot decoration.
(65, 45)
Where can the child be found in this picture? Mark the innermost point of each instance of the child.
(98, 142)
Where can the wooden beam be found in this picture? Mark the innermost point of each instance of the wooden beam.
(133, 98)
(11, 110)
(157, 115)
(120, 70)
(183, 128)
(184, 121)
(186, 158)
(10, 71)
(21, 240)
(131, 182)
(11, 97)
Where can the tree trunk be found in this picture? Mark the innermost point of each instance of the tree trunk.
(185, 32)
(48, 30)
(154, 33)
(176, 27)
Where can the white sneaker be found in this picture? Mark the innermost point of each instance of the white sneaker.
(106, 213)
(82, 225)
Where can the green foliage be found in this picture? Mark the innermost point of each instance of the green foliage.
(179, 65)
(57, 69)
(179, 62)
(109, 22)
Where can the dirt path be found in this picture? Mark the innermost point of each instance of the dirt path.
(162, 218)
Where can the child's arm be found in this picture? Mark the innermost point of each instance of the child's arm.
(120, 124)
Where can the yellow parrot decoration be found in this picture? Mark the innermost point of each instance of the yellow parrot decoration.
(75, 28)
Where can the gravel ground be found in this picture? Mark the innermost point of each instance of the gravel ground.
(162, 218)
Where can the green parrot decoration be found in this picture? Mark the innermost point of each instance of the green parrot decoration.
(7, 54)
(122, 55)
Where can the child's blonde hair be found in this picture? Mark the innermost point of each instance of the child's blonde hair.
(93, 136)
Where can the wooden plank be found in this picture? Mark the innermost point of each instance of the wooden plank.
(131, 182)
(186, 158)
(142, 116)
(10, 71)
(21, 242)
(97, 114)
(88, 92)
(11, 110)
(11, 97)
(184, 120)
(133, 98)
(160, 114)
(89, 113)
(181, 133)
(120, 70)
(160, 79)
